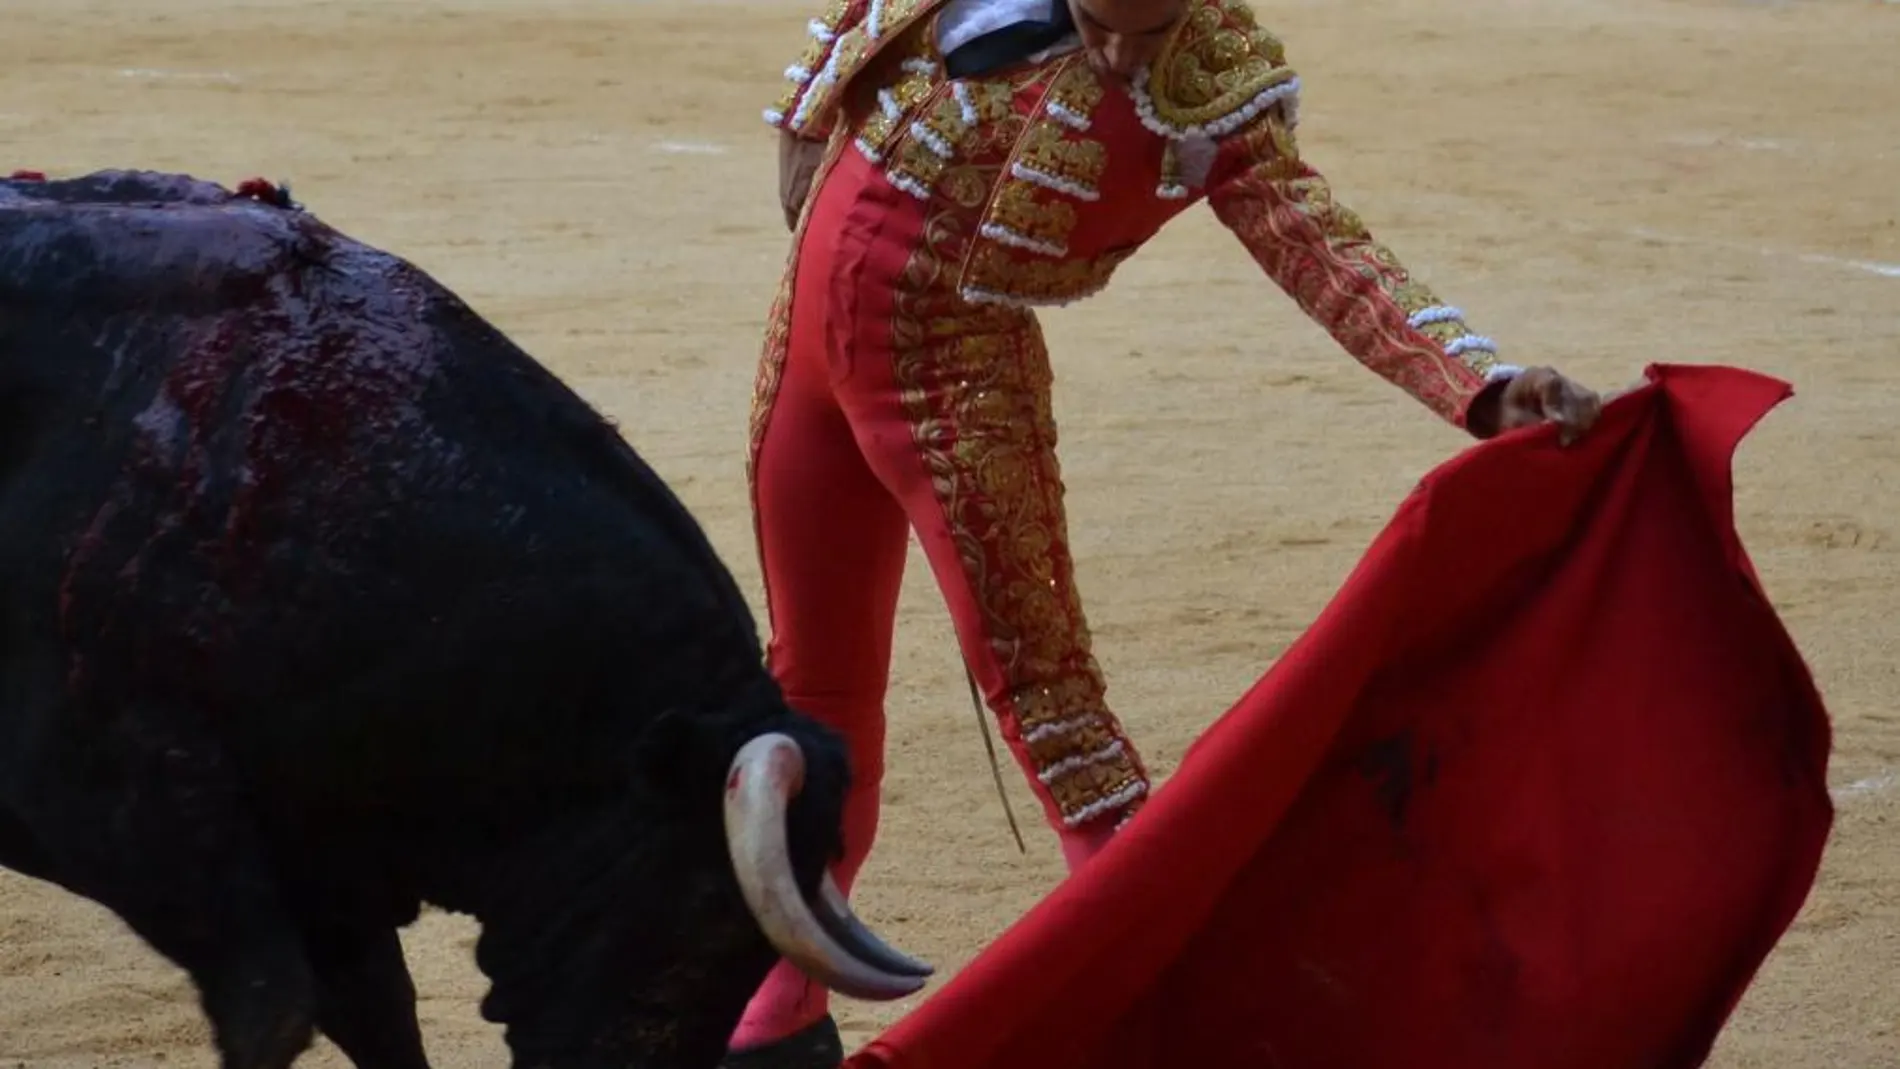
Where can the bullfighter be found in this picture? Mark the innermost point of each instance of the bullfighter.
(973, 160)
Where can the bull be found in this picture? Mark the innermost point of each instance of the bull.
(321, 601)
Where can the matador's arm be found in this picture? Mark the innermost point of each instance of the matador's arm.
(1322, 255)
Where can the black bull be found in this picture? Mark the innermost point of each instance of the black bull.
(320, 600)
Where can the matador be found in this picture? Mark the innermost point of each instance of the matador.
(970, 161)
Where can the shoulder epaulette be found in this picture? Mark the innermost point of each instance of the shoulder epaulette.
(1216, 73)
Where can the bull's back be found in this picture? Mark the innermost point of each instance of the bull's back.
(107, 286)
(270, 471)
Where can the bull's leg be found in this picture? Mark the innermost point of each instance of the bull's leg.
(256, 991)
(216, 918)
(147, 820)
(366, 1001)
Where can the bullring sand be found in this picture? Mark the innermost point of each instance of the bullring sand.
(1600, 183)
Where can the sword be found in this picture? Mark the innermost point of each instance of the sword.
(983, 725)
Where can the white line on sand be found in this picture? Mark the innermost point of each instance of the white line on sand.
(1861, 788)
(1869, 266)
(179, 76)
(693, 148)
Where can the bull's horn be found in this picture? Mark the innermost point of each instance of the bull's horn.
(835, 914)
(765, 774)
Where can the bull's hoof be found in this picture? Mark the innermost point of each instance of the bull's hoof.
(816, 1046)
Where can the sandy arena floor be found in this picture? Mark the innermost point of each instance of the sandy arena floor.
(1618, 182)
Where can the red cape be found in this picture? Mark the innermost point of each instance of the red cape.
(1539, 789)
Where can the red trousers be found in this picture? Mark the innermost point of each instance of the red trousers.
(889, 404)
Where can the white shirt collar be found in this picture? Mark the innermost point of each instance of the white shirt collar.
(964, 20)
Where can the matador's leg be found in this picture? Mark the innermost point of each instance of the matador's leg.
(832, 543)
(955, 417)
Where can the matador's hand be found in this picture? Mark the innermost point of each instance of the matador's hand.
(1537, 395)
(798, 161)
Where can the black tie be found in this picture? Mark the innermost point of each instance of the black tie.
(1009, 44)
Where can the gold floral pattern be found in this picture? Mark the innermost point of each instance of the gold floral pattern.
(1003, 171)
(771, 370)
(1061, 160)
(976, 386)
(1215, 64)
(919, 123)
(991, 273)
(1322, 254)
(1025, 216)
(791, 111)
(1053, 170)
(1074, 94)
(895, 105)
(856, 46)
(817, 109)
(915, 167)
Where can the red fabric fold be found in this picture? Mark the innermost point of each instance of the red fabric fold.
(1541, 786)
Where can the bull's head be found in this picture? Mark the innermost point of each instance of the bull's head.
(818, 934)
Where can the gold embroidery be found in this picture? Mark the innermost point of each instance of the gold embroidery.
(894, 16)
(1075, 163)
(803, 73)
(765, 390)
(1214, 69)
(813, 57)
(1076, 92)
(884, 120)
(915, 168)
(884, 21)
(1171, 184)
(765, 384)
(1322, 254)
(995, 273)
(1031, 217)
(896, 103)
(780, 114)
(975, 384)
(1443, 331)
(1413, 296)
(961, 120)
(1346, 232)
(993, 100)
(797, 79)
(919, 158)
(921, 140)
(945, 119)
(1051, 165)
(828, 85)
(833, 16)
(948, 125)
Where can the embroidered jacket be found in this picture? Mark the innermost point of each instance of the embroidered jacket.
(1087, 171)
